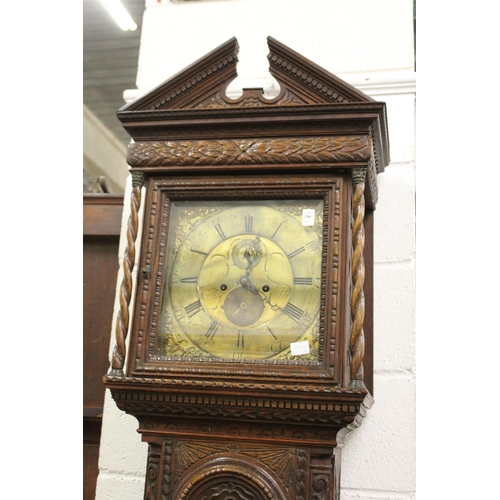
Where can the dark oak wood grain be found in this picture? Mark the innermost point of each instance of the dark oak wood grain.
(250, 428)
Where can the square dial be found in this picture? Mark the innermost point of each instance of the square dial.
(243, 280)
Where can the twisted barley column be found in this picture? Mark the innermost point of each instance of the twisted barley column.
(357, 342)
(122, 320)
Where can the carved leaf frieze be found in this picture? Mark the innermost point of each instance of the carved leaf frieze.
(251, 151)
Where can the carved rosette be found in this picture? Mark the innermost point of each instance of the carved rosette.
(357, 340)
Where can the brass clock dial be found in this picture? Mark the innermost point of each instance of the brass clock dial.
(243, 279)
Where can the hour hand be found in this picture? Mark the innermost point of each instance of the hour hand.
(247, 253)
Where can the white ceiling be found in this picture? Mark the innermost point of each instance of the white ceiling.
(110, 59)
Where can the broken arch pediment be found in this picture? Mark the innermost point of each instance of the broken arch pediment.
(203, 84)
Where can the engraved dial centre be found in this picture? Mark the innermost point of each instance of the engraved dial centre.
(245, 280)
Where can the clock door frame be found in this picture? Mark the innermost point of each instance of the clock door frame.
(334, 190)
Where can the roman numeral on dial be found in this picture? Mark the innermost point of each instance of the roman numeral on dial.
(193, 308)
(272, 334)
(277, 229)
(296, 252)
(293, 312)
(193, 279)
(248, 223)
(303, 281)
(219, 230)
(212, 330)
(241, 340)
(198, 251)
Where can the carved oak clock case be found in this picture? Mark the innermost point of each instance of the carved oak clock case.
(244, 346)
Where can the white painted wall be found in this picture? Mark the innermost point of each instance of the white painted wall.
(368, 43)
(103, 154)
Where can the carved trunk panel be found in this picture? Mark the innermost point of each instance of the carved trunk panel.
(186, 469)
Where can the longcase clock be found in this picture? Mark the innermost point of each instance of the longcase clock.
(246, 352)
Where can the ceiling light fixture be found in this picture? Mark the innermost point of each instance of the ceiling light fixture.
(120, 15)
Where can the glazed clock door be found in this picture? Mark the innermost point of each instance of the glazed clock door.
(241, 275)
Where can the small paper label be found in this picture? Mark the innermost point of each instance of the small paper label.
(308, 217)
(298, 348)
